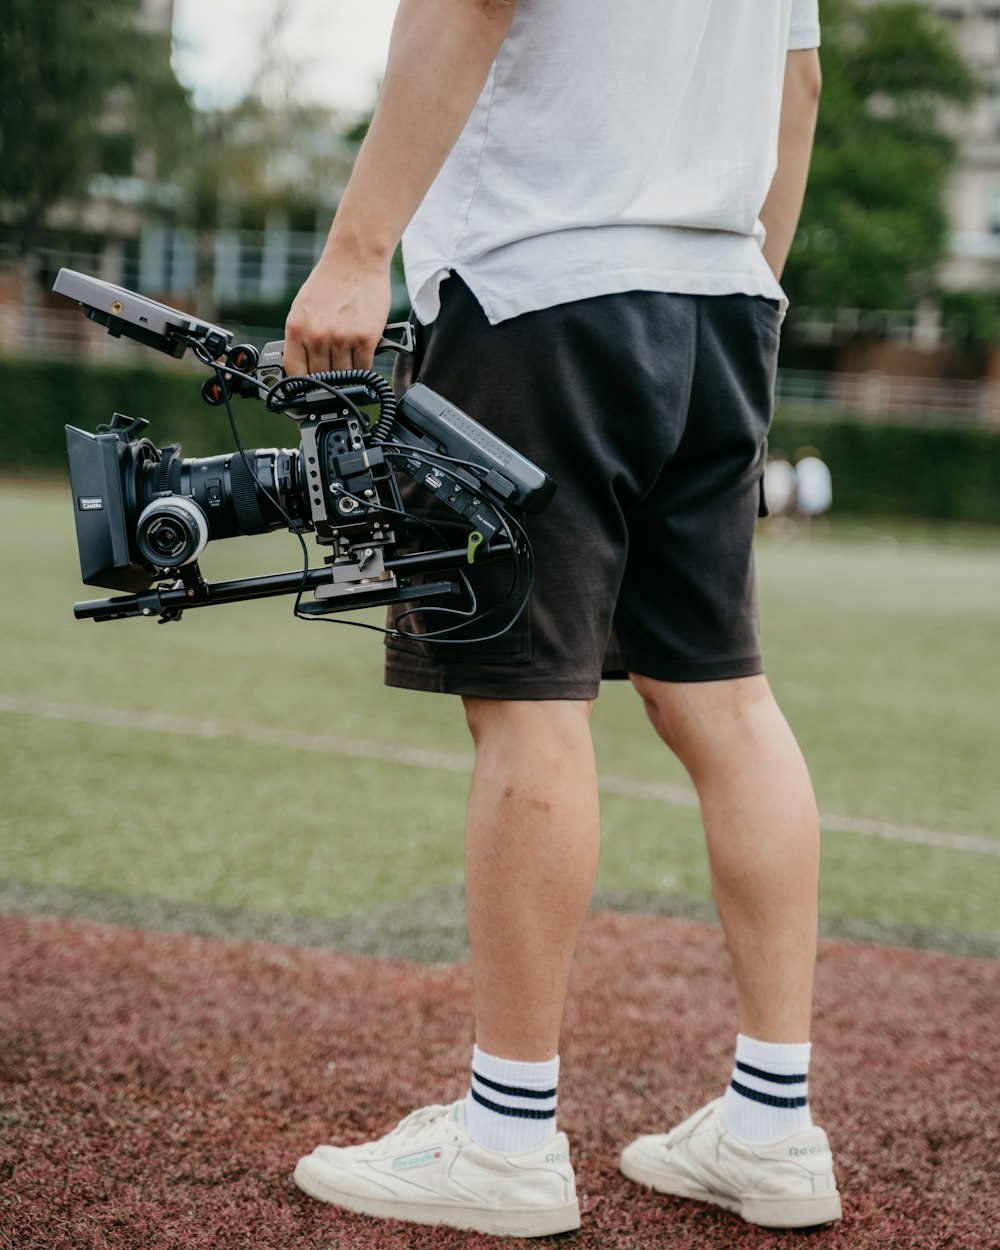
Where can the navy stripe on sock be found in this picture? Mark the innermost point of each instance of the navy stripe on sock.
(521, 1113)
(770, 1100)
(777, 1078)
(513, 1091)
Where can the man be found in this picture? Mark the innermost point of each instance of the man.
(594, 232)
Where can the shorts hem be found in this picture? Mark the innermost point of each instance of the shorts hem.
(691, 671)
(502, 685)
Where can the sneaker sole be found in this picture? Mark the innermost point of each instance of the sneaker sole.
(516, 1222)
(767, 1210)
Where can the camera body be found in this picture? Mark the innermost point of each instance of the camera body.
(145, 514)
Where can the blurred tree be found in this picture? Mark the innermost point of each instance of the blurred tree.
(874, 225)
(267, 159)
(971, 318)
(84, 89)
(357, 132)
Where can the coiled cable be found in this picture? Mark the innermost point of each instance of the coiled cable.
(285, 393)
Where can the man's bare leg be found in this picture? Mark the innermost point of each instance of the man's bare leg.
(755, 1151)
(763, 839)
(531, 860)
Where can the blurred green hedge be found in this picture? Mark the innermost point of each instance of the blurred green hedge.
(916, 471)
(937, 473)
(41, 396)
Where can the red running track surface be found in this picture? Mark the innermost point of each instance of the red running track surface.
(156, 1088)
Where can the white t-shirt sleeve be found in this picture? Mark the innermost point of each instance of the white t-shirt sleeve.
(804, 29)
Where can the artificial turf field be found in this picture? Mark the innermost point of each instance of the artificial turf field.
(245, 775)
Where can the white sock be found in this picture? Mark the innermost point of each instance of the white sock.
(511, 1106)
(768, 1097)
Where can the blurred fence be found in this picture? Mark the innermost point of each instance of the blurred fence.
(874, 397)
(934, 471)
(65, 333)
(883, 397)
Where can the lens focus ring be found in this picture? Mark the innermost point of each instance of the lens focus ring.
(171, 532)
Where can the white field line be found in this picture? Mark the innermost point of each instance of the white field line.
(445, 761)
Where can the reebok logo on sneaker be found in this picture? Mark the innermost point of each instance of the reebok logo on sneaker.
(416, 1161)
(809, 1150)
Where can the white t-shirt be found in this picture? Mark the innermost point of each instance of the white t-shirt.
(615, 147)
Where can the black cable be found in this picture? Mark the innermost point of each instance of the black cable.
(220, 372)
(286, 392)
(441, 635)
(427, 456)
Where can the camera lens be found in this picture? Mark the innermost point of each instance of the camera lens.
(171, 532)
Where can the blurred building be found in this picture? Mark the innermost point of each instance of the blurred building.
(138, 229)
(895, 359)
(240, 224)
(157, 14)
(974, 200)
(268, 181)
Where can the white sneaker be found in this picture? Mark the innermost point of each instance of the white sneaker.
(430, 1171)
(784, 1184)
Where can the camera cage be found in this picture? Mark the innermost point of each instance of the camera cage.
(342, 484)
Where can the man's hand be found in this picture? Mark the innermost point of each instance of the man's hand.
(338, 316)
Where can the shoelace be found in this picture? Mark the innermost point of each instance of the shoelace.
(411, 1126)
(417, 1119)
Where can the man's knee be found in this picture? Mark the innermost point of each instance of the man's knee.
(692, 717)
(525, 719)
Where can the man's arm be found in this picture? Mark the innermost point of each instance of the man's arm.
(440, 56)
(799, 109)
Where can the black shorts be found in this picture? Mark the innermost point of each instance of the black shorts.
(651, 413)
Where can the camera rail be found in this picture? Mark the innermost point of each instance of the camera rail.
(168, 601)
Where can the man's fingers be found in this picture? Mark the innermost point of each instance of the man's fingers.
(332, 326)
(317, 353)
(363, 354)
(321, 357)
(295, 361)
(333, 349)
(340, 354)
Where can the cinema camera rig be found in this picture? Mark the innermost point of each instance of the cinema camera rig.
(144, 515)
